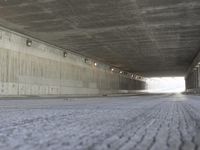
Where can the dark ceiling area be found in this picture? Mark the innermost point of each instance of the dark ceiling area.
(149, 37)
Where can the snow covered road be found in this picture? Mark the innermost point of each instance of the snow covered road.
(156, 122)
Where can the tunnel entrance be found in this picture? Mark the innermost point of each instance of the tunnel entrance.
(166, 84)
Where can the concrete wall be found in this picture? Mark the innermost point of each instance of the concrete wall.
(193, 76)
(42, 70)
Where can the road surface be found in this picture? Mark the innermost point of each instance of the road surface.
(155, 122)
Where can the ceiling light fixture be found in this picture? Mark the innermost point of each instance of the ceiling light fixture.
(28, 42)
(65, 54)
(86, 60)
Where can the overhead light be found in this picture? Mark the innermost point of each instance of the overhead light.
(112, 69)
(65, 54)
(28, 42)
(86, 60)
(95, 64)
(121, 72)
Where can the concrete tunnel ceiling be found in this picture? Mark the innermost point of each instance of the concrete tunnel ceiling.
(149, 37)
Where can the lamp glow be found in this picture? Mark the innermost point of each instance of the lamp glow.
(28, 42)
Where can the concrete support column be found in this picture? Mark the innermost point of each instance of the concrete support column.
(199, 76)
(188, 81)
(196, 78)
(193, 80)
(193, 76)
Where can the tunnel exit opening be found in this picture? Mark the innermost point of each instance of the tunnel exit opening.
(166, 84)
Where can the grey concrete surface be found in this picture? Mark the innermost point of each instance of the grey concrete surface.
(135, 35)
(156, 122)
(41, 69)
(192, 78)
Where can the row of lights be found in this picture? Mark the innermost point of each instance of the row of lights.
(129, 74)
(65, 53)
(115, 70)
(120, 72)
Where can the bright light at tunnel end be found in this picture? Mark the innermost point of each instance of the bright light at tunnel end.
(166, 84)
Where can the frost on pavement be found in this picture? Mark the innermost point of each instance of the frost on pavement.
(157, 122)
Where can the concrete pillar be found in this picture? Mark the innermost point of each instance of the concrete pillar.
(196, 71)
(188, 82)
(190, 75)
(193, 81)
(195, 78)
(199, 76)
(189, 79)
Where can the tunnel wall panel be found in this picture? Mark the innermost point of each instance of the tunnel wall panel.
(41, 69)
